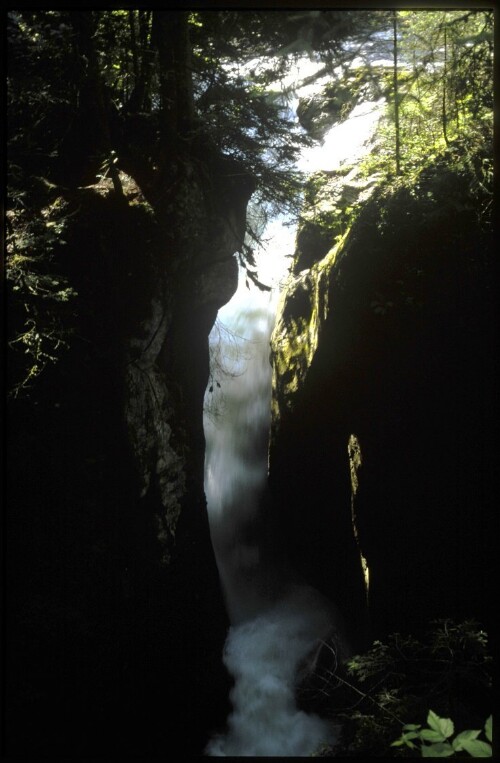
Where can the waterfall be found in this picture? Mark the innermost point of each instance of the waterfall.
(276, 620)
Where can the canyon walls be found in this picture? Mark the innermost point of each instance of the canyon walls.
(382, 437)
(116, 618)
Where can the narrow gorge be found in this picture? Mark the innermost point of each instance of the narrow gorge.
(251, 381)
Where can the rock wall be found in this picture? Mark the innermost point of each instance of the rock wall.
(116, 616)
(382, 436)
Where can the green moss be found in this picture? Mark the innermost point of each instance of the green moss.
(302, 311)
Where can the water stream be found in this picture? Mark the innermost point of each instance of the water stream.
(276, 620)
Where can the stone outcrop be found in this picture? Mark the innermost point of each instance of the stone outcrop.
(381, 448)
(331, 199)
(117, 618)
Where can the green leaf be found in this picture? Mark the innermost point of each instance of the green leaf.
(477, 749)
(429, 735)
(443, 725)
(488, 729)
(464, 736)
(439, 750)
(412, 726)
(405, 739)
(398, 743)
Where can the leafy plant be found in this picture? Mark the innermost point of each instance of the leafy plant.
(383, 691)
(436, 740)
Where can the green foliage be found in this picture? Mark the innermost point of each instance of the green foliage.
(437, 742)
(39, 87)
(437, 53)
(41, 299)
(445, 88)
(385, 693)
(85, 100)
(247, 125)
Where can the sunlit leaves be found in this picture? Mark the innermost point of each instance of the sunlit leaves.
(445, 87)
(438, 750)
(436, 740)
(443, 727)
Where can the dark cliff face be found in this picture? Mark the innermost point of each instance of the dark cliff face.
(116, 620)
(383, 396)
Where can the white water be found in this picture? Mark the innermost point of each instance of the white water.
(277, 621)
(262, 654)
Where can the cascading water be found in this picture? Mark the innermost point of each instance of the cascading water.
(277, 621)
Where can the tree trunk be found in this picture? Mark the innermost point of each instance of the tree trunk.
(143, 60)
(94, 103)
(445, 73)
(170, 36)
(396, 93)
(133, 44)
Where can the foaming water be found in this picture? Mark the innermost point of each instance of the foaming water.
(263, 655)
(355, 132)
(276, 621)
